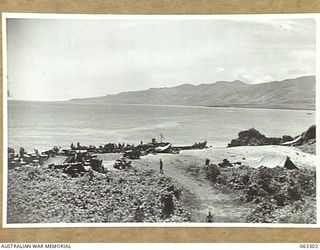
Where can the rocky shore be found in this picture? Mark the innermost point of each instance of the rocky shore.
(252, 137)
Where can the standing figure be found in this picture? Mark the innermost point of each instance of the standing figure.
(36, 151)
(23, 151)
(161, 167)
(209, 217)
(91, 175)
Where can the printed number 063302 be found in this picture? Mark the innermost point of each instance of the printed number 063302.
(309, 246)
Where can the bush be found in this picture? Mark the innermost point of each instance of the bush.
(245, 179)
(294, 192)
(281, 195)
(213, 171)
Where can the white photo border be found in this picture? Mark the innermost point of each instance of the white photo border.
(247, 17)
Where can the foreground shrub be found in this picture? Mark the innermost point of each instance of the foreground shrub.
(281, 195)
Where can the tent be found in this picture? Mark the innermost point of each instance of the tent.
(272, 161)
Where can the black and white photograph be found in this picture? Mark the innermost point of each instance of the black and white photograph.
(169, 120)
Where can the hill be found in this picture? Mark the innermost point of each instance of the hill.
(296, 93)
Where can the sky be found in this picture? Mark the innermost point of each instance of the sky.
(55, 60)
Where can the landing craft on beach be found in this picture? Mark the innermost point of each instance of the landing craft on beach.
(288, 143)
(163, 149)
(200, 145)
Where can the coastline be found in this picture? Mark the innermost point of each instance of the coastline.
(242, 107)
(184, 170)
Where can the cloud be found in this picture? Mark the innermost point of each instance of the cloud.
(252, 77)
(219, 70)
(62, 59)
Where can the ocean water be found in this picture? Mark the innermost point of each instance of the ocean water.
(43, 125)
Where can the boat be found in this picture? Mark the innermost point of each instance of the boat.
(162, 149)
(200, 145)
(288, 143)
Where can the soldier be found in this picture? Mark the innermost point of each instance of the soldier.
(209, 217)
(161, 167)
(91, 175)
(22, 152)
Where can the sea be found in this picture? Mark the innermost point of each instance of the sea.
(42, 125)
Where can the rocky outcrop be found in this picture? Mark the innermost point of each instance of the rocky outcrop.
(308, 135)
(253, 137)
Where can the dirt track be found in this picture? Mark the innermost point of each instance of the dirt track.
(198, 195)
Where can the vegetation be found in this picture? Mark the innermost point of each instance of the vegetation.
(281, 195)
(41, 195)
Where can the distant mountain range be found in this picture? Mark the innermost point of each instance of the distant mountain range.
(296, 93)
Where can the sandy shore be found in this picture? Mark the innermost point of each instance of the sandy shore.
(251, 155)
(199, 196)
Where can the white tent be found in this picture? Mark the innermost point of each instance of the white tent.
(272, 161)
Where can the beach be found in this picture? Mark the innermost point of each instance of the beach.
(184, 171)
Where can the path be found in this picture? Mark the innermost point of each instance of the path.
(199, 196)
